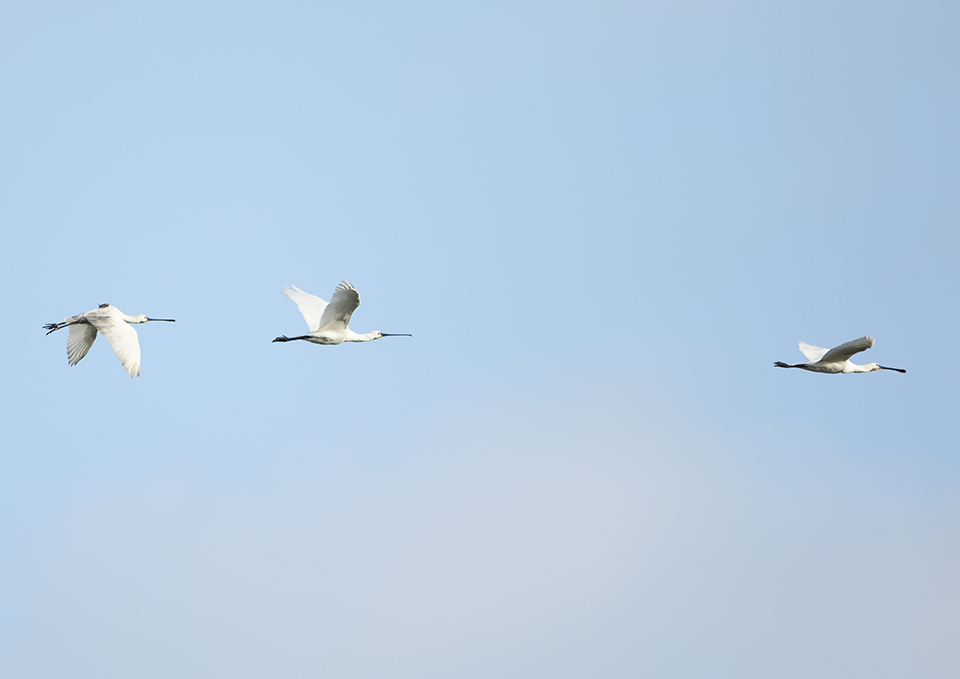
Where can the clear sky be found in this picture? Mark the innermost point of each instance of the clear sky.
(602, 222)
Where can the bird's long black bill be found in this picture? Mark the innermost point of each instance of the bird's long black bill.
(395, 334)
(899, 370)
(168, 320)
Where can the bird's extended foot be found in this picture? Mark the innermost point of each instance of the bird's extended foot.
(781, 364)
(52, 326)
(282, 338)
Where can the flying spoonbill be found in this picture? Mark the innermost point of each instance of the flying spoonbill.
(112, 324)
(330, 323)
(836, 360)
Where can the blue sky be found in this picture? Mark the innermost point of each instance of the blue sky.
(602, 222)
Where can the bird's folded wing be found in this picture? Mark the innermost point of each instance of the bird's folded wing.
(812, 353)
(79, 341)
(310, 306)
(847, 349)
(123, 339)
(344, 302)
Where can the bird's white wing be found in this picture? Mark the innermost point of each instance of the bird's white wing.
(310, 306)
(847, 349)
(123, 339)
(812, 353)
(344, 302)
(79, 341)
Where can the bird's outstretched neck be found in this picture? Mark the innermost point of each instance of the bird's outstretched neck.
(370, 336)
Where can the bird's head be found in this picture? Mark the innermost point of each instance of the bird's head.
(873, 366)
(376, 334)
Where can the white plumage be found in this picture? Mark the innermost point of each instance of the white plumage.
(110, 322)
(329, 323)
(836, 360)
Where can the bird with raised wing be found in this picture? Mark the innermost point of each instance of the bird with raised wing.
(110, 322)
(330, 323)
(836, 360)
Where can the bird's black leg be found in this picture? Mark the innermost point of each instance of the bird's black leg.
(56, 326)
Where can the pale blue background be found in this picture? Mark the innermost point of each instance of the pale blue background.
(601, 221)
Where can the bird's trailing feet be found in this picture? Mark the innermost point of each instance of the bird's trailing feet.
(53, 327)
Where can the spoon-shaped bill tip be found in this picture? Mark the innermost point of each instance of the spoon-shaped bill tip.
(899, 370)
(395, 334)
(168, 320)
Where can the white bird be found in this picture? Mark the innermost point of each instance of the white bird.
(330, 323)
(112, 324)
(836, 360)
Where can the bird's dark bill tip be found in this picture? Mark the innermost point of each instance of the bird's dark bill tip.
(899, 370)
